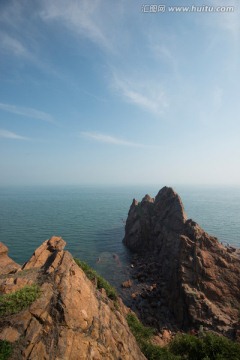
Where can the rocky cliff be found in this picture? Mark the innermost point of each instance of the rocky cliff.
(6, 263)
(187, 278)
(70, 319)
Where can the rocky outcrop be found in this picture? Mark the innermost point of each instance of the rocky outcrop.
(71, 319)
(196, 279)
(6, 263)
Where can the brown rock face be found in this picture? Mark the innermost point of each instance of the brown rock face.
(197, 279)
(71, 319)
(6, 263)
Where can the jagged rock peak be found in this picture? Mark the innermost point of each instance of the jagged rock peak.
(134, 202)
(71, 319)
(166, 210)
(197, 277)
(169, 194)
(46, 253)
(168, 205)
(147, 198)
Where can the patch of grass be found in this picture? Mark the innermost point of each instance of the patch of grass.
(5, 350)
(116, 305)
(100, 281)
(208, 347)
(19, 300)
(140, 331)
(143, 336)
(188, 347)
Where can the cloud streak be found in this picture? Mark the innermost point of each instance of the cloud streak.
(108, 139)
(228, 20)
(80, 17)
(6, 134)
(27, 112)
(13, 45)
(147, 95)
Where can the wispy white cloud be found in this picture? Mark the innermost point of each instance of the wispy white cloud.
(28, 112)
(91, 20)
(11, 135)
(13, 10)
(228, 20)
(146, 94)
(22, 36)
(12, 45)
(108, 139)
(82, 17)
(162, 52)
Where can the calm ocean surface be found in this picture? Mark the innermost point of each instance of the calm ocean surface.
(91, 220)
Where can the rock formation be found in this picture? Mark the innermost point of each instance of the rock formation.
(71, 319)
(187, 277)
(6, 263)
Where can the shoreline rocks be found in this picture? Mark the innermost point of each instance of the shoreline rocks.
(196, 279)
(127, 284)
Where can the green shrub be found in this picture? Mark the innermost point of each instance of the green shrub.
(155, 352)
(141, 332)
(19, 300)
(5, 350)
(208, 347)
(187, 347)
(100, 281)
(143, 336)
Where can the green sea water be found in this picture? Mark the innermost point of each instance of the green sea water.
(91, 220)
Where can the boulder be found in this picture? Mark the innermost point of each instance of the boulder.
(127, 284)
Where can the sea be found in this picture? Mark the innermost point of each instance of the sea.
(92, 219)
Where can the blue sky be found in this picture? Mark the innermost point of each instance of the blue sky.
(100, 92)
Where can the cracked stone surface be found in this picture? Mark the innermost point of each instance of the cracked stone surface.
(71, 319)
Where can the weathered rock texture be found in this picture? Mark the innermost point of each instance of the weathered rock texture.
(6, 263)
(190, 278)
(71, 319)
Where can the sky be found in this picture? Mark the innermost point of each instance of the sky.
(118, 92)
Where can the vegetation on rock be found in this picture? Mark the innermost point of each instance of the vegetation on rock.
(100, 281)
(5, 350)
(141, 332)
(70, 319)
(143, 336)
(188, 347)
(14, 302)
(208, 347)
